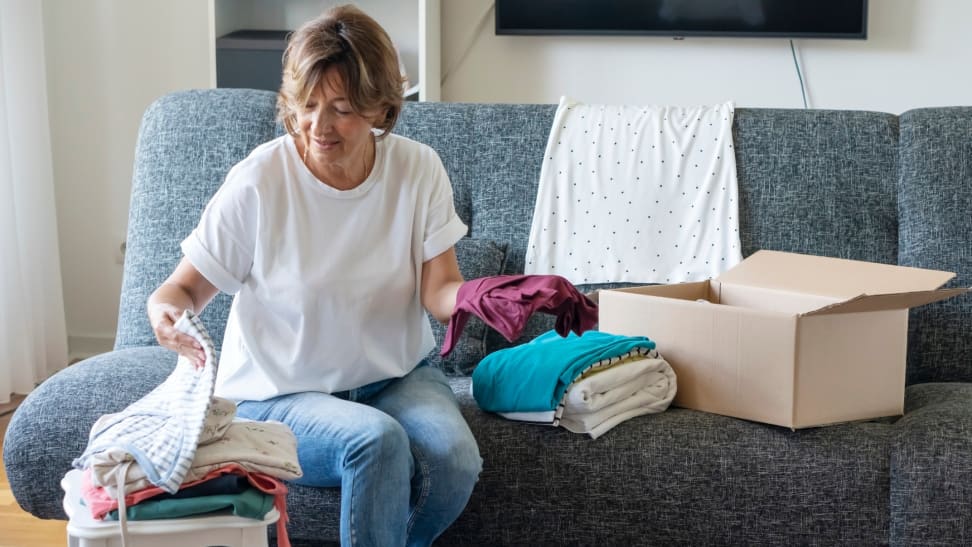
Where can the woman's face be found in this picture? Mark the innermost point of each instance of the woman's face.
(334, 135)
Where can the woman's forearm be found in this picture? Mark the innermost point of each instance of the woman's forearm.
(443, 302)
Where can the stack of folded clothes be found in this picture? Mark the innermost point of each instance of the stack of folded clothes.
(238, 469)
(179, 451)
(585, 384)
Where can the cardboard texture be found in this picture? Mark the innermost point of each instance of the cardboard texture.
(785, 339)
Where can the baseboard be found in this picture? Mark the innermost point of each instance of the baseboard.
(82, 347)
(79, 348)
(15, 399)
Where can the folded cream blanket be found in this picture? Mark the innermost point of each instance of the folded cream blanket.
(605, 387)
(609, 392)
(606, 397)
(265, 447)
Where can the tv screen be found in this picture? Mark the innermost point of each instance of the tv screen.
(678, 18)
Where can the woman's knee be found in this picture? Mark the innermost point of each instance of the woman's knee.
(460, 464)
(442, 488)
(471, 463)
(382, 439)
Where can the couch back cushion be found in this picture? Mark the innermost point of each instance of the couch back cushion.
(818, 182)
(935, 204)
(186, 144)
(493, 154)
(810, 181)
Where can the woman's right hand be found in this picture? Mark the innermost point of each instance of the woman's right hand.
(185, 289)
(162, 317)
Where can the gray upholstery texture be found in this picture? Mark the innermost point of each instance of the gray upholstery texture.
(186, 146)
(935, 204)
(820, 183)
(931, 467)
(862, 185)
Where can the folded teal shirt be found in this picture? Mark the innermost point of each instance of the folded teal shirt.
(251, 503)
(533, 377)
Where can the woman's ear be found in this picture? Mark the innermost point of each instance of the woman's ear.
(386, 118)
(380, 120)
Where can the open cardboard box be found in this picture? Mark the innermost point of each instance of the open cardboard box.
(786, 339)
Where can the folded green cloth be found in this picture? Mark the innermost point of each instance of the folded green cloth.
(533, 377)
(251, 503)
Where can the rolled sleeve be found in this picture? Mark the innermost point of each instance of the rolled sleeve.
(208, 266)
(444, 238)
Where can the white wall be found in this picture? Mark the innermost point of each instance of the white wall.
(915, 55)
(108, 59)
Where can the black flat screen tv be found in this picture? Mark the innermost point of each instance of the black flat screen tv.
(846, 19)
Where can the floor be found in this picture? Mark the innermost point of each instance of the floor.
(6, 408)
(20, 529)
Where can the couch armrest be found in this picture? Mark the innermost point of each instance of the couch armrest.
(50, 427)
(931, 467)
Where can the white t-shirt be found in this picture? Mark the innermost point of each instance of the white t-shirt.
(326, 282)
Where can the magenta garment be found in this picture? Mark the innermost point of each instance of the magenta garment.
(505, 302)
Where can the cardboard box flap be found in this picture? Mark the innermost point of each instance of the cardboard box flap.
(879, 302)
(834, 277)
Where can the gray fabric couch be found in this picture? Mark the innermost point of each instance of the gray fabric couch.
(861, 185)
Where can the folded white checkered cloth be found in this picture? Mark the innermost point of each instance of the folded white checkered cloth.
(161, 430)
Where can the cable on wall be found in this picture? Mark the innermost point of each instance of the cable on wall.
(470, 40)
(803, 87)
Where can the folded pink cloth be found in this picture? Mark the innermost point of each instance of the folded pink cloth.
(100, 502)
(506, 302)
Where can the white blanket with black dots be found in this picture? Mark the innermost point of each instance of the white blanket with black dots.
(641, 194)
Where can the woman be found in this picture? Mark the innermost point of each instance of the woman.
(335, 238)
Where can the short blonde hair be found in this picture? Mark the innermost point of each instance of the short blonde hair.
(346, 38)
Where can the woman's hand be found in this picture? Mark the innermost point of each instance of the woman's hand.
(162, 317)
(185, 289)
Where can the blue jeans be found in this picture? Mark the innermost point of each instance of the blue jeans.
(401, 452)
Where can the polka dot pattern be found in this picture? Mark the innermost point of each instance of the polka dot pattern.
(636, 194)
